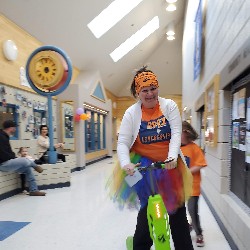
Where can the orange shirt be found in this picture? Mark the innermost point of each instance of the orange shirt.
(194, 157)
(154, 135)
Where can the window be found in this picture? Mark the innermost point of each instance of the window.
(102, 132)
(9, 112)
(88, 132)
(95, 131)
(39, 119)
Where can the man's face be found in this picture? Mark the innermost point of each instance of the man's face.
(12, 130)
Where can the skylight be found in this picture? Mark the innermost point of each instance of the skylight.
(111, 16)
(135, 39)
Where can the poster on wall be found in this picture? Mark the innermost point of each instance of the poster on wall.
(242, 136)
(23, 79)
(198, 41)
(235, 106)
(241, 103)
(235, 137)
(210, 101)
(248, 147)
(211, 112)
(248, 113)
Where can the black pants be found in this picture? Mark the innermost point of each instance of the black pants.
(44, 160)
(194, 214)
(179, 230)
(61, 157)
(23, 182)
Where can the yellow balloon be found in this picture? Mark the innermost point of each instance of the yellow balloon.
(83, 116)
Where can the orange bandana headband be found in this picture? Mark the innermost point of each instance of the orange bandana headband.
(145, 79)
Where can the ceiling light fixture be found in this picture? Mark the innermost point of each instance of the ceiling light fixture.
(10, 50)
(170, 29)
(171, 1)
(111, 16)
(135, 39)
(170, 33)
(171, 8)
(89, 107)
(170, 38)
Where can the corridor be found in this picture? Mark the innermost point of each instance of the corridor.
(82, 217)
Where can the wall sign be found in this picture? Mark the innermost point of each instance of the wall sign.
(211, 112)
(198, 41)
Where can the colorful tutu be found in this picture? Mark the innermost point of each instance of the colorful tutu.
(174, 185)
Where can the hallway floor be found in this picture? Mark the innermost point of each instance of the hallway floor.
(82, 217)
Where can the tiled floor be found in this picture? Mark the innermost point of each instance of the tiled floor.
(82, 217)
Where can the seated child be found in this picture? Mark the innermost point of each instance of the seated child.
(23, 152)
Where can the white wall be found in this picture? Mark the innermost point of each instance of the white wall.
(226, 29)
(81, 92)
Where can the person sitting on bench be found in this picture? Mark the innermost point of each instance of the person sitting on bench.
(10, 163)
(43, 146)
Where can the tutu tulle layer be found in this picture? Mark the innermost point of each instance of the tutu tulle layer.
(174, 185)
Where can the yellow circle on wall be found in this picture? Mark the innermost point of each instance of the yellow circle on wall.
(46, 70)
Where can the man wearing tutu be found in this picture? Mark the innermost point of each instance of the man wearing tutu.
(152, 128)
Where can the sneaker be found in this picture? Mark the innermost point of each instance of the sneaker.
(129, 243)
(38, 169)
(38, 162)
(200, 241)
(37, 193)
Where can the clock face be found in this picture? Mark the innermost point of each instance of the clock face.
(10, 50)
(47, 70)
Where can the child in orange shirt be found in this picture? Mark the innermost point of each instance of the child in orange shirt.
(195, 160)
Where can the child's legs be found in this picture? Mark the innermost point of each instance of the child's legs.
(22, 176)
(180, 230)
(194, 214)
(142, 239)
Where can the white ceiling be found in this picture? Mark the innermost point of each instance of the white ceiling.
(63, 23)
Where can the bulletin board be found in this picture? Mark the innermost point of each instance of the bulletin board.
(211, 111)
(240, 142)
